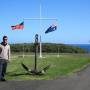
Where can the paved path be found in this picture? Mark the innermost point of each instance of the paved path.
(80, 81)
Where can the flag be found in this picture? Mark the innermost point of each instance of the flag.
(53, 27)
(19, 26)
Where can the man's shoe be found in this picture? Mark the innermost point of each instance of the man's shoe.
(2, 79)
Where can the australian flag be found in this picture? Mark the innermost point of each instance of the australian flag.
(53, 27)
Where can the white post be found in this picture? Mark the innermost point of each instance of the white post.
(40, 48)
(58, 52)
(23, 50)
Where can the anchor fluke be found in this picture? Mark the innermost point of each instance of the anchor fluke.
(25, 67)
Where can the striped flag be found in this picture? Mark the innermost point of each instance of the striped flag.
(19, 26)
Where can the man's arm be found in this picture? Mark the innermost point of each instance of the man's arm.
(9, 54)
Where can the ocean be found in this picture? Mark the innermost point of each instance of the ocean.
(83, 46)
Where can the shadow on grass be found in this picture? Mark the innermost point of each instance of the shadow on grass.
(17, 74)
(21, 74)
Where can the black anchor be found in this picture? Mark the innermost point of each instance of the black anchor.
(35, 71)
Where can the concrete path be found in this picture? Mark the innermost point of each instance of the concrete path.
(79, 81)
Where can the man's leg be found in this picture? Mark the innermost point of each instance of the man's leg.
(4, 69)
(1, 66)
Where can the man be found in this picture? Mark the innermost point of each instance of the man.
(4, 57)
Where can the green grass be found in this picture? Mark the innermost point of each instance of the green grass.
(60, 66)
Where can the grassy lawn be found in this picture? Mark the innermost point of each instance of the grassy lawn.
(60, 66)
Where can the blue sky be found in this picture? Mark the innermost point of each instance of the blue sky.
(73, 25)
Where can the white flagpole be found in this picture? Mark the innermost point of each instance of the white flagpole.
(40, 48)
(40, 18)
(40, 29)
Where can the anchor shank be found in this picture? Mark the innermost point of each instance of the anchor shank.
(36, 51)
